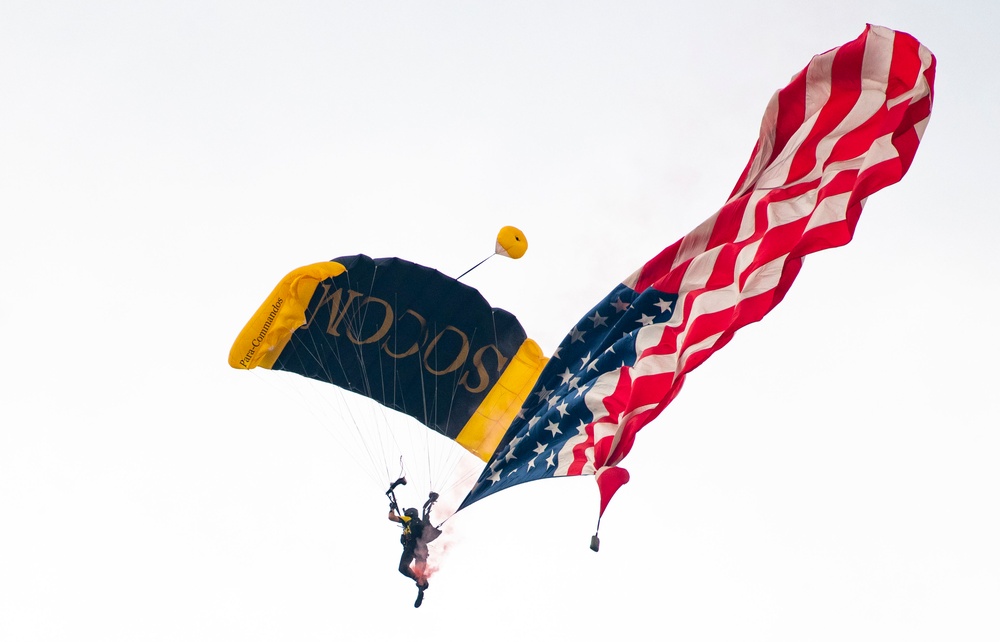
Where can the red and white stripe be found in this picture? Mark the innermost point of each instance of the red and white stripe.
(848, 125)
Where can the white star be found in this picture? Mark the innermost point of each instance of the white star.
(531, 464)
(576, 334)
(544, 393)
(585, 360)
(563, 409)
(534, 420)
(598, 320)
(553, 427)
(620, 305)
(665, 305)
(566, 376)
(495, 477)
(555, 355)
(514, 442)
(574, 383)
(646, 320)
(554, 400)
(593, 365)
(540, 448)
(551, 459)
(510, 455)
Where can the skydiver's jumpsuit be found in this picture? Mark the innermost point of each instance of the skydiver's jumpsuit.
(413, 548)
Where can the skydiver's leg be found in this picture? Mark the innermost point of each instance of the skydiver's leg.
(420, 565)
(404, 564)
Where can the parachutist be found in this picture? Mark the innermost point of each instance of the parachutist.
(417, 533)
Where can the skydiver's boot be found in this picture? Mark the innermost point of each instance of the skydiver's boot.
(421, 587)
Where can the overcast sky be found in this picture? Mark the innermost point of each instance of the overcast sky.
(831, 474)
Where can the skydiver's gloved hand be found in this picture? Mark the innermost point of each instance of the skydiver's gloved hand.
(393, 507)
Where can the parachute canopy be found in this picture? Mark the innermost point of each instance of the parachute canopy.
(404, 335)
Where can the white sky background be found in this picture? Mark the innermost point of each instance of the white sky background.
(829, 475)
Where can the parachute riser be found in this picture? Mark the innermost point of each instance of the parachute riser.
(391, 493)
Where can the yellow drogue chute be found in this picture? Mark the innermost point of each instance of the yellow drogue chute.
(511, 242)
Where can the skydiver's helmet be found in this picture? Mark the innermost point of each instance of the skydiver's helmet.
(412, 513)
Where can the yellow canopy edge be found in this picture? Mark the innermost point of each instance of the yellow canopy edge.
(268, 331)
(484, 430)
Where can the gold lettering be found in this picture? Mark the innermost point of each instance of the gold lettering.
(484, 376)
(480, 369)
(382, 331)
(336, 313)
(463, 354)
(416, 344)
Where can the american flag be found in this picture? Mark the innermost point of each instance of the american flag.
(848, 125)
